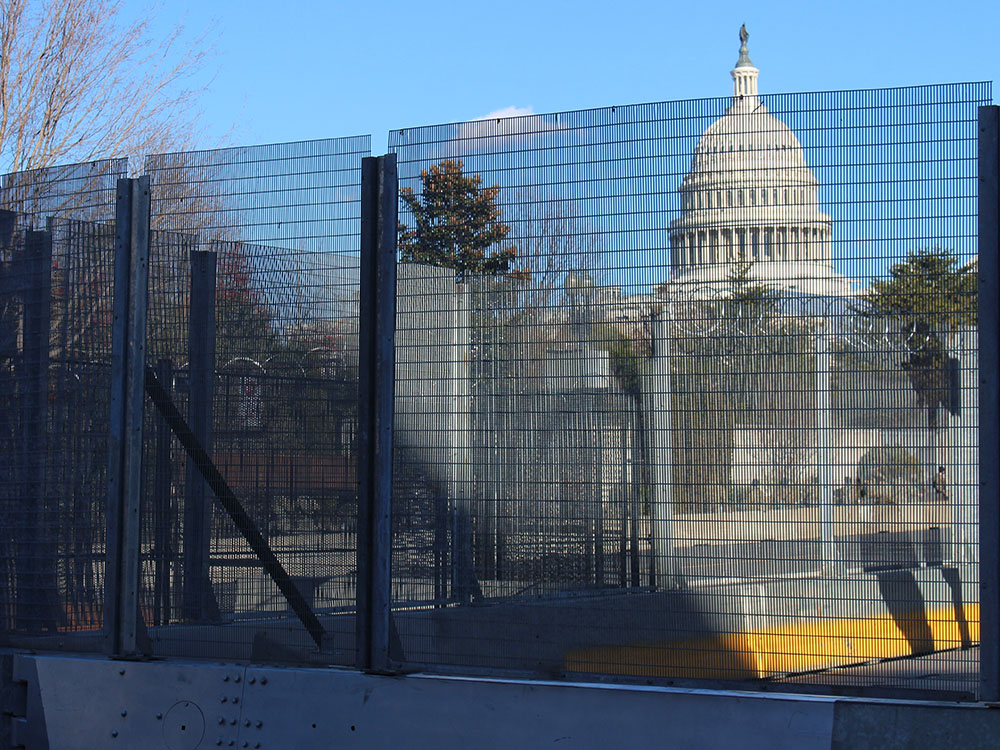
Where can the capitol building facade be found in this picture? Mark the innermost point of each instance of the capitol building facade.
(750, 201)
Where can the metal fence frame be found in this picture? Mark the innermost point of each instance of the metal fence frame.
(989, 400)
(376, 641)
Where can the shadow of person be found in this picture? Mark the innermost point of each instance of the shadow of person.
(954, 581)
(906, 604)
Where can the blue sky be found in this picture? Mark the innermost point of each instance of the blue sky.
(306, 70)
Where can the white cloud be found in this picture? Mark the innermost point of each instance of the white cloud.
(503, 126)
(509, 111)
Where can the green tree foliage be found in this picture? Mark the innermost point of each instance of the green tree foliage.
(931, 287)
(745, 291)
(626, 357)
(929, 294)
(457, 223)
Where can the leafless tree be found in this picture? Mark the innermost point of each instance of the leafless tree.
(79, 81)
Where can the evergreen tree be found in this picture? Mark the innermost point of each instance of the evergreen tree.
(929, 294)
(930, 287)
(457, 222)
(745, 291)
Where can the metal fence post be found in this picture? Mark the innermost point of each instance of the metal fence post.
(824, 454)
(198, 598)
(35, 558)
(376, 374)
(989, 403)
(162, 551)
(657, 396)
(127, 401)
(461, 395)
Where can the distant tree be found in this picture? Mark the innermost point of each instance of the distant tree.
(78, 81)
(553, 241)
(928, 294)
(244, 320)
(929, 287)
(627, 356)
(746, 291)
(456, 224)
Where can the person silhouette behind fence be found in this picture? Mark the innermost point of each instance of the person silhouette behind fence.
(940, 485)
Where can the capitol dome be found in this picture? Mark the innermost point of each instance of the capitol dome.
(750, 197)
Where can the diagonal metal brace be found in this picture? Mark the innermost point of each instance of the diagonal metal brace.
(231, 504)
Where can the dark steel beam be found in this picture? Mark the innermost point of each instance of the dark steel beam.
(379, 195)
(198, 598)
(126, 430)
(208, 471)
(989, 402)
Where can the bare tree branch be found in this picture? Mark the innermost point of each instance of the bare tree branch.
(78, 82)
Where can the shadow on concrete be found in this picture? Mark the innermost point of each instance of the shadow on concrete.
(902, 596)
(954, 581)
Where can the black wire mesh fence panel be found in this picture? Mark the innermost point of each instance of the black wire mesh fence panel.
(281, 227)
(56, 286)
(688, 389)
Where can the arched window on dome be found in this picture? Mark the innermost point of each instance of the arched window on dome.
(729, 197)
(740, 197)
(763, 195)
(776, 196)
(753, 197)
(785, 197)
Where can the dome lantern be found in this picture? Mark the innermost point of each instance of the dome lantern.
(745, 75)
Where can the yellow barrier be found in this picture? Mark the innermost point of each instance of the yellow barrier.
(797, 646)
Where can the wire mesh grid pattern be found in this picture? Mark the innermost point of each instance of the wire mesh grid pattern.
(55, 351)
(710, 406)
(281, 227)
(682, 390)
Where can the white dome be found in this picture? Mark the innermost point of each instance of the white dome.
(742, 140)
(748, 169)
(750, 196)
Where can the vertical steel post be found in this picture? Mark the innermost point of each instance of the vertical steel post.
(459, 459)
(127, 401)
(162, 473)
(824, 460)
(36, 578)
(656, 392)
(377, 324)
(635, 490)
(201, 380)
(601, 478)
(989, 403)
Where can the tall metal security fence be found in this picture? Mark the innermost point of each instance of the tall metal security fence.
(253, 321)
(684, 390)
(56, 276)
(693, 389)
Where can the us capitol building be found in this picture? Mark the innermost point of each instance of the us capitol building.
(750, 198)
